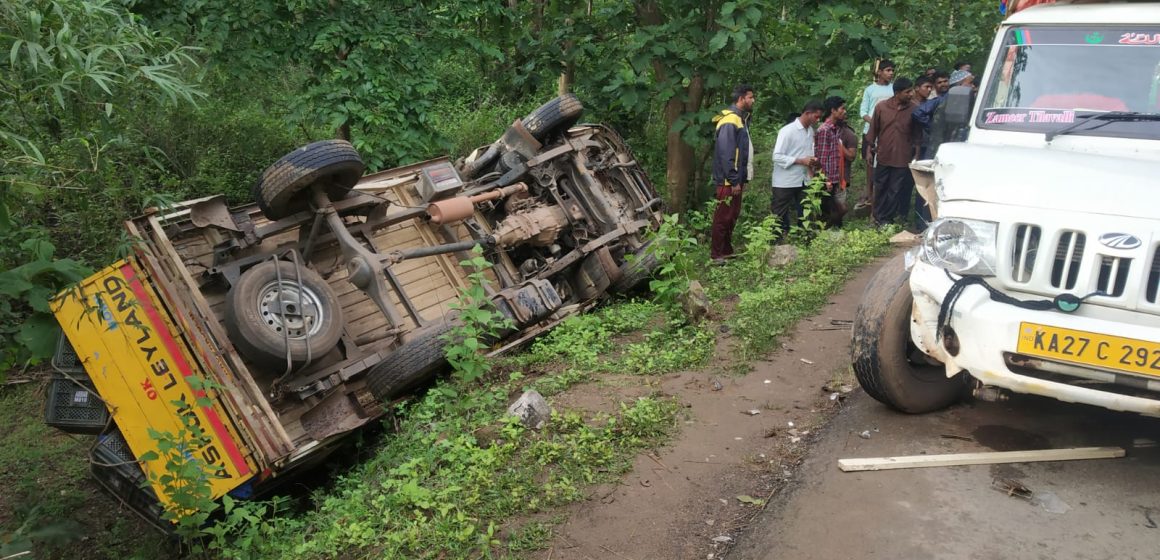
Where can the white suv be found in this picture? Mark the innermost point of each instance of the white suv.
(1041, 274)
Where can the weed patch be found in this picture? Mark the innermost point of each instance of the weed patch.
(459, 469)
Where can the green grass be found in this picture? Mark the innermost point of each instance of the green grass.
(458, 472)
(47, 502)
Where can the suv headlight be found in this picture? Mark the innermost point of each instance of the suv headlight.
(961, 246)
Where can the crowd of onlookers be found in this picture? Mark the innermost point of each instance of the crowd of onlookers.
(902, 120)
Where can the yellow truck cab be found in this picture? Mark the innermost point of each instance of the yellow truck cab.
(259, 337)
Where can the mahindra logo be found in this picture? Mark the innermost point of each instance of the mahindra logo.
(1120, 240)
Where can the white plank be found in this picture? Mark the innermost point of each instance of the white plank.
(987, 458)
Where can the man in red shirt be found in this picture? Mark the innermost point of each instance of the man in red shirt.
(833, 158)
(893, 132)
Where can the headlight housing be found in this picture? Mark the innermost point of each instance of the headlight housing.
(961, 246)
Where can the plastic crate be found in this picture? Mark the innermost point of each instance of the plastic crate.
(66, 360)
(116, 469)
(75, 407)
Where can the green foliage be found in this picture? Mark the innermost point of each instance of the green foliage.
(811, 221)
(28, 331)
(48, 496)
(185, 479)
(766, 311)
(444, 486)
(759, 239)
(73, 73)
(477, 321)
(673, 244)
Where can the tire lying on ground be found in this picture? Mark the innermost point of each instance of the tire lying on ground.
(264, 315)
(888, 366)
(284, 187)
(636, 270)
(409, 364)
(553, 116)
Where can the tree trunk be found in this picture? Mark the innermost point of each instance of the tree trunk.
(679, 160)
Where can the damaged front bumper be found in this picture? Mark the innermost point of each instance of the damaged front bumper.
(985, 340)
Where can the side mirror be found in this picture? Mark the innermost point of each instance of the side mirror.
(958, 110)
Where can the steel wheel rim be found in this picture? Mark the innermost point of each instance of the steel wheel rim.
(291, 310)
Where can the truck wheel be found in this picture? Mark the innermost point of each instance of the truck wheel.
(332, 163)
(262, 315)
(409, 364)
(886, 363)
(636, 271)
(559, 113)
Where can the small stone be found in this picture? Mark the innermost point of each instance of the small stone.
(782, 255)
(717, 386)
(532, 410)
(694, 302)
(723, 539)
(865, 434)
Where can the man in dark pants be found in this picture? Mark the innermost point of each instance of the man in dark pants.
(732, 169)
(793, 165)
(893, 132)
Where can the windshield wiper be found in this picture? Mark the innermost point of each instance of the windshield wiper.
(1107, 118)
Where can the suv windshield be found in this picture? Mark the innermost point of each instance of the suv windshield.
(1046, 77)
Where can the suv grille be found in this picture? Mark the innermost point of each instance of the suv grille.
(1068, 254)
(1113, 275)
(1153, 277)
(1024, 252)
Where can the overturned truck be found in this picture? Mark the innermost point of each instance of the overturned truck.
(280, 327)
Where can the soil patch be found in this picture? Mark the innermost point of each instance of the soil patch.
(742, 439)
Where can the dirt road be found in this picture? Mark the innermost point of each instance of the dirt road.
(774, 436)
(741, 439)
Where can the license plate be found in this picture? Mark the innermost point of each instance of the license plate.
(1090, 349)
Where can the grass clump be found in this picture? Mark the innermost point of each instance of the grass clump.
(448, 483)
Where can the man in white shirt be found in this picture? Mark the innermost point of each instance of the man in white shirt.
(793, 163)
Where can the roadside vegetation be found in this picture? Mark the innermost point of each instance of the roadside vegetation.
(111, 107)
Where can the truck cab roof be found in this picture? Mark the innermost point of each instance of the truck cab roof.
(1091, 13)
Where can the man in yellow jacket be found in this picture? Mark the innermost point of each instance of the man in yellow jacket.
(732, 169)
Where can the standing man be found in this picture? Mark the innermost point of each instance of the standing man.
(831, 154)
(925, 110)
(732, 170)
(875, 93)
(892, 130)
(793, 161)
(923, 88)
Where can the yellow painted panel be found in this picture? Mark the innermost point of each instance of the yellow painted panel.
(142, 368)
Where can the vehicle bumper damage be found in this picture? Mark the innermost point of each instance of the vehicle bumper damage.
(1039, 352)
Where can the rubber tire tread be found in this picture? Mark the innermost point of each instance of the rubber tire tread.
(559, 113)
(334, 161)
(878, 348)
(255, 340)
(638, 270)
(409, 364)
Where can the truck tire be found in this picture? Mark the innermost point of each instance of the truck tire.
(261, 332)
(559, 113)
(334, 164)
(409, 364)
(636, 271)
(881, 349)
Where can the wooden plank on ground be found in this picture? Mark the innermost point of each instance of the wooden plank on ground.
(986, 458)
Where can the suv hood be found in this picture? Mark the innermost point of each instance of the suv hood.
(1047, 179)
